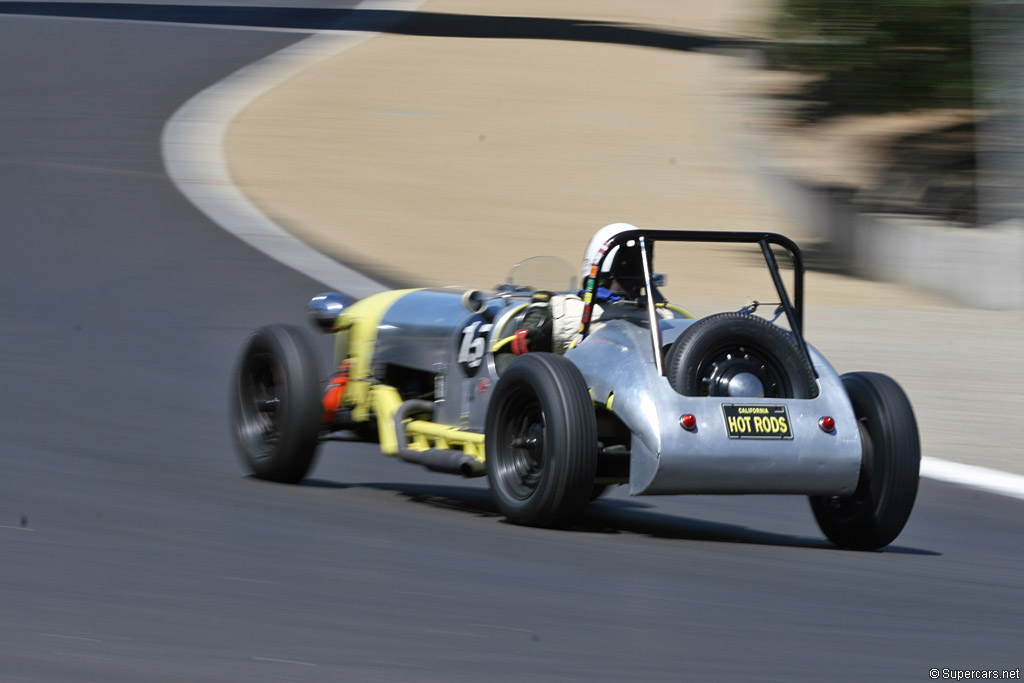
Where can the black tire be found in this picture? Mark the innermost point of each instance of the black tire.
(874, 515)
(541, 445)
(275, 404)
(711, 354)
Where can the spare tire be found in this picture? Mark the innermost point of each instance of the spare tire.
(739, 355)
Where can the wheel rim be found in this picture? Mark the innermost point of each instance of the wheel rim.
(520, 445)
(261, 392)
(742, 370)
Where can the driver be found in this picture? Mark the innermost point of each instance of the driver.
(621, 275)
(619, 285)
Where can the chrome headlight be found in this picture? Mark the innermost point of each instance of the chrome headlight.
(325, 309)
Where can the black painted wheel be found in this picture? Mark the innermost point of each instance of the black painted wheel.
(275, 404)
(740, 355)
(874, 515)
(541, 445)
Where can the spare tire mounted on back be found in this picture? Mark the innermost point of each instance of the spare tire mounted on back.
(739, 355)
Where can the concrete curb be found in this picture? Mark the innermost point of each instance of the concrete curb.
(976, 267)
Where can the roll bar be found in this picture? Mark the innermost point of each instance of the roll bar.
(794, 308)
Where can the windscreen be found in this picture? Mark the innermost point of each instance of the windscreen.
(547, 273)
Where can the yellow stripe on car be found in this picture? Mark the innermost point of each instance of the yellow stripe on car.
(359, 323)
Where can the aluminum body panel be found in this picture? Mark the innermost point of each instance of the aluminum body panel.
(416, 329)
(667, 459)
(478, 388)
(430, 330)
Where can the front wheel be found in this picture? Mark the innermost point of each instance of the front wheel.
(876, 512)
(541, 445)
(275, 404)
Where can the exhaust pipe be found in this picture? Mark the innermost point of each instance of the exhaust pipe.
(447, 460)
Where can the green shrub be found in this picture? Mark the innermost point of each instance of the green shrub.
(877, 56)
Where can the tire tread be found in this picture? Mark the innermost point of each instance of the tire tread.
(896, 445)
(566, 490)
(291, 459)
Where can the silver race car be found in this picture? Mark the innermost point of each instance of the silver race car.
(556, 389)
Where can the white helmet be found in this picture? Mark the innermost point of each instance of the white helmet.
(593, 252)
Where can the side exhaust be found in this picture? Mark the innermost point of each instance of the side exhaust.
(447, 460)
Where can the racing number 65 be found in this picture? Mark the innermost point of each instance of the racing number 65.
(474, 343)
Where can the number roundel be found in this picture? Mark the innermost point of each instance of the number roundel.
(473, 345)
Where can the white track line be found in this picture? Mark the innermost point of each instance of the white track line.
(193, 150)
(993, 481)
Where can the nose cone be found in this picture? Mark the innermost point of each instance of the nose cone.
(325, 309)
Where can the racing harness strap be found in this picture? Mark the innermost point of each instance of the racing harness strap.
(520, 344)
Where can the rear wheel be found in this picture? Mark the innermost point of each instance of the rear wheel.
(876, 512)
(541, 445)
(741, 355)
(276, 404)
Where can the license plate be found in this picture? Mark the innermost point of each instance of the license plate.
(756, 421)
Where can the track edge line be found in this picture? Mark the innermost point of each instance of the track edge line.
(192, 147)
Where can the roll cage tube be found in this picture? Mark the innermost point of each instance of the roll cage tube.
(652, 313)
(794, 308)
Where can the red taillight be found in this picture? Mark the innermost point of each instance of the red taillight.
(827, 423)
(688, 422)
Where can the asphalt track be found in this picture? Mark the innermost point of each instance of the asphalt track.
(133, 548)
